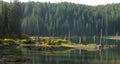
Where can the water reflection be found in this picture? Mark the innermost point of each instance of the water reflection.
(73, 56)
(70, 56)
(110, 56)
(11, 55)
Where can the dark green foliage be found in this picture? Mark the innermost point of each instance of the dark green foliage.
(10, 18)
(58, 42)
(58, 19)
(8, 42)
(25, 41)
(15, 18)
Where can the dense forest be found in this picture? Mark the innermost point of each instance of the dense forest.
(60, 19)
(10, 18)
(64, 18)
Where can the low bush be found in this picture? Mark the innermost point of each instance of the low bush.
(8, 42)
(26, 41)
(58, 41)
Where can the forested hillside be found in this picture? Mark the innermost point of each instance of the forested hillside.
(10, 18)
(59, 19)
(64, 18)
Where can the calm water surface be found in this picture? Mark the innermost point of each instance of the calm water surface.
(108, 56)
(111, 56)
(73, 56)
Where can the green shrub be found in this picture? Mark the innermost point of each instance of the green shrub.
(8, 42)
(25, 41)
(91, 44)
(17, 41)
(57, 41)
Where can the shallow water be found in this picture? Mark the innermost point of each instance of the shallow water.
(110, 56)
(73, 56)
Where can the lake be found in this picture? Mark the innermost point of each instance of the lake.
(74, 56)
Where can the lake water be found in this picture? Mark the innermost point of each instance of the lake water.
(73, 56)
(110, 56)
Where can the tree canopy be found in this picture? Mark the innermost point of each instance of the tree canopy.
(62, 18)
(59, 19)
(10, 18)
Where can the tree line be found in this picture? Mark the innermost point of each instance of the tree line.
(10, 18)
(63, 18)
(59, 19)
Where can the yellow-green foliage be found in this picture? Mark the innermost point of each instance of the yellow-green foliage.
(25, 41)
(68, 45)
(57, 41)
(17, 41)
(8, 41)
(91, 45)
